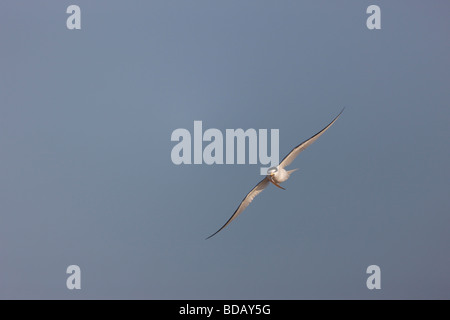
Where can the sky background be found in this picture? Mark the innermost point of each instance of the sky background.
(86, 176)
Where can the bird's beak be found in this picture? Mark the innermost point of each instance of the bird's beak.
(276, 184)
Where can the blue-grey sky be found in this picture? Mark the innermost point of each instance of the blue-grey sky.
(86, 176)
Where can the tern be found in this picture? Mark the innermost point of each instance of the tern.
(276, 175)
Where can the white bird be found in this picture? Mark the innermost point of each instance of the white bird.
(277, 174)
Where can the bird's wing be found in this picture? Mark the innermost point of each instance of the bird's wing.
(302, 146)
(247, 200)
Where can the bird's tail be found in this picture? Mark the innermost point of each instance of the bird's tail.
(290, 171)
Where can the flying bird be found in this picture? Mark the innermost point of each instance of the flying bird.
(276, 175)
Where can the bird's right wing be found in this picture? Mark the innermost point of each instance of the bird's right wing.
(247, 200)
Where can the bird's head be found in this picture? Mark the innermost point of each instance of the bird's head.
(272, 171)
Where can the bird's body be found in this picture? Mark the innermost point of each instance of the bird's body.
(280, 175)
(276, 175)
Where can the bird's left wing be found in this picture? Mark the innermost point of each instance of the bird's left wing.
(247, 200)
(302, 146)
